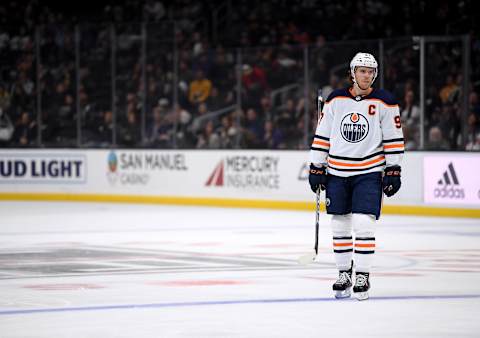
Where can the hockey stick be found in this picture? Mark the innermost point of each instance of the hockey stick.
(319, 104)
(310, 257)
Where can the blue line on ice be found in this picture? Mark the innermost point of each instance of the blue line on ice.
(229, 302)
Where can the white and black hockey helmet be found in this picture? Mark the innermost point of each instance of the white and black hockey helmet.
(363, 60)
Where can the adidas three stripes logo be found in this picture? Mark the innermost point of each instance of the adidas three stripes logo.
(449, 176)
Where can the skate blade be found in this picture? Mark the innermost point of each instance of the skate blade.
(361, 295)
(343, 294)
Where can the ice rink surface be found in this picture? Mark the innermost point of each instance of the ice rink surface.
(84, 270)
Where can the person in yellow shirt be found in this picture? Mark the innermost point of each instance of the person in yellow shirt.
(449, 87)
(200, 88)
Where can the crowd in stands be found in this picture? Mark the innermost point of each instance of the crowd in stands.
(78, 94)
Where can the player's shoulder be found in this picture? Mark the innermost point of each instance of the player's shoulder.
(338, 93)
(385, 96)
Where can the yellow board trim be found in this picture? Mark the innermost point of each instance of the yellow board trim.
(229, 203)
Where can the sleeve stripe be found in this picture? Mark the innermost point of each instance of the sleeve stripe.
(322, 137)
(390, 146)
(393, 140)
(321, 143)
(394, 152)
(319, 149)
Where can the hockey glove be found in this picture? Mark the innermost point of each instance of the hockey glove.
(317, 177)
(391, 180)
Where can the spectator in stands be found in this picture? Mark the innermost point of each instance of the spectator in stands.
(411, 137)
(208, 138)
(65, 122)
(447, 90)
(410, 115)
(320, 73)
(333, 83)
(199, 89)
(202, 62)
(266, 110)
(253, 130)
(25, 131)
(474, 145)
(130, 132)
(222, 72)
(185, 76)
(104, 132)
(200, 118)
(6, 129)
(322, 50)
(449, 122)
(473, 132)
(255, 84)
(215, 101)
(297, 139)
(4, 98)
(286, 120)
(227, 133)
(160, 133)
(285, 67)
(474, 104)
(272, 137)
(436, 140)
(153, 11)
(432, 101)
(181, 120)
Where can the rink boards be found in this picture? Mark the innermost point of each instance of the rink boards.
(433, 183)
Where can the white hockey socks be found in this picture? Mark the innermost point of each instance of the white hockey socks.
(342, 241)
(364, 229)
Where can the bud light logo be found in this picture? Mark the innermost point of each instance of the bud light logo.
(43, 167)
(354, 127)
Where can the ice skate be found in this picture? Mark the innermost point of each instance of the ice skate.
(362, 285)
(343, 285)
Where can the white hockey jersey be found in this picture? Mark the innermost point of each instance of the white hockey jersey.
(358, 134)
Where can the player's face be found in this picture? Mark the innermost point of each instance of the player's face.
(364, 77)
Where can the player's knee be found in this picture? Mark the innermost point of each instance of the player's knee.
(363, 224)
(342, 224)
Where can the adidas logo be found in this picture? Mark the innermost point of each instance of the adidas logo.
(448, 179)
(449, 185)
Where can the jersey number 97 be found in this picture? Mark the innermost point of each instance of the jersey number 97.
(398, 122)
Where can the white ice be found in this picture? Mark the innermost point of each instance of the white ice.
(116, 270)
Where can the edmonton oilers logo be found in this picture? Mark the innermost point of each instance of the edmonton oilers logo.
(354, 127)
(112, 162)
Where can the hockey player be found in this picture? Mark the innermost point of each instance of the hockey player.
(355, 155)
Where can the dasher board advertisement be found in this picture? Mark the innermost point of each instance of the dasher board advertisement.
(452, 179)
